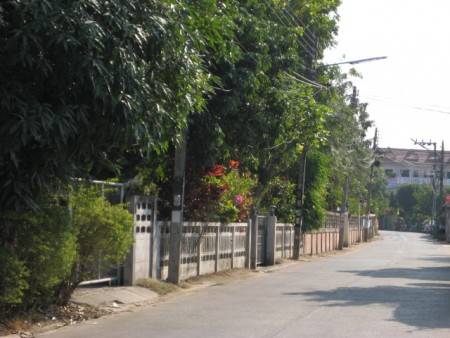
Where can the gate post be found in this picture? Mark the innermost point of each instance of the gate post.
(156, 239)
(248, 244)
(253, 241)
(271, 244)
(139, 263)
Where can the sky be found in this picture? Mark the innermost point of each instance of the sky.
(408, 93)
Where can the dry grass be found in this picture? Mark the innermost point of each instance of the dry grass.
(160, 287)
(17, 324)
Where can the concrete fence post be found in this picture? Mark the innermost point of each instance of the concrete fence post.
(233, 240)
(216, 265)
(248, 244)
(254, 241)
(156, 251)
(345, 235)
(140, 261)
(365, 234)
(271, 244)
(156, 238)
(199, 250)
(341, 238)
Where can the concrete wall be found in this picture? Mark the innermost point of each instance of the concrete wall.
(213, 247)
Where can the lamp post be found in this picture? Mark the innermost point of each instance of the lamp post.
(355, 62)
(300, 191)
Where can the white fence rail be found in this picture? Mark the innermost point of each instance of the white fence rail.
(213, 247)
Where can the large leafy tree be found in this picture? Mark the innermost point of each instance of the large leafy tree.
(264, 113)
(348, 148)
(84, 82)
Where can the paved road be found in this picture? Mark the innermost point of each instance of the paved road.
(398, 286)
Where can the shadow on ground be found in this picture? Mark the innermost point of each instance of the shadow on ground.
(422, 305)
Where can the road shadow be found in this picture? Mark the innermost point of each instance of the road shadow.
(422, 306)
(437, 259)
(421, 273)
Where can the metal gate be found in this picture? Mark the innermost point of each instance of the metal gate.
(262, 240)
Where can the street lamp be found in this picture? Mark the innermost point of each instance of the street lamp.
(355, 62)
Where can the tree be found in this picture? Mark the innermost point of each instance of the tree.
(84, 82)
(263, 113)
(349, 151)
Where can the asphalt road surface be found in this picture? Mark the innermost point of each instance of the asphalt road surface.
(397, 286)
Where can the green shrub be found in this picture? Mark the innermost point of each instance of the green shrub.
(13, 281)
(103, 231)
(279, 192)
(46, 253)
(37, 252)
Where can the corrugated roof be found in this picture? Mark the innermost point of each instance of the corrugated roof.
(413, 156)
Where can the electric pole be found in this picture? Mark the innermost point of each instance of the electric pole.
(433, 177)
(369, 190)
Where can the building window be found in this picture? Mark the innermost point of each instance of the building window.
(448, 175)
(416, 173)
(404, 172)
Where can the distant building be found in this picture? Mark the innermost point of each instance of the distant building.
(414, 166)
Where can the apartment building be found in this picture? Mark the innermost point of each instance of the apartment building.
(414, 166)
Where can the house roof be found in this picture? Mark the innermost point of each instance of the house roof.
(413, 156)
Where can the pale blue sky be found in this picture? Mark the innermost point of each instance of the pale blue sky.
(409, 92)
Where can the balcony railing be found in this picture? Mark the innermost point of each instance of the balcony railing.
(396, 181)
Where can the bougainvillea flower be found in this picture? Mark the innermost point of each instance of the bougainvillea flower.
(243, 215)
(233, 164)
(239, 199)
(216, 171)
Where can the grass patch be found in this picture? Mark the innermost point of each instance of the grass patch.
(160, 287)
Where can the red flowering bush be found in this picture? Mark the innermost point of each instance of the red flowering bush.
(222, 194)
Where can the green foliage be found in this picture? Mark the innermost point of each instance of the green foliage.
(38, 250)
(264, 113)
(414, 202)
(45, 253)
(279, 192)
(315, 191)
(13, 281)
(103, 231)
(85, 82)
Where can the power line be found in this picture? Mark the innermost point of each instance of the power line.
(292, 14)
(445, 110)
(295, 24)
(284, 25)
(305, 80)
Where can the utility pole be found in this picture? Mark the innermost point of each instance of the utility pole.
(300, 191)
(433, 178)
(176, 223)
(441, 177)
(299, 205)
(369, 190)
(344, 211)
